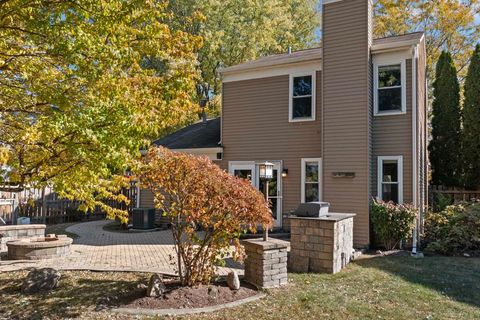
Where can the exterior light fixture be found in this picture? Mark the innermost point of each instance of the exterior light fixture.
(284, 173)
(265, 170)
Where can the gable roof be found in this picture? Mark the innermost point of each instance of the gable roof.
(197, 135)
(316, 53)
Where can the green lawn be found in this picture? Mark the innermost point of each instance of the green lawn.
(376, 288)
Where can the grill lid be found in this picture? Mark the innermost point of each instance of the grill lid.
(312, 209)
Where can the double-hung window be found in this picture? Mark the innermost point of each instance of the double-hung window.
(390, 179)
(311, 180)
(390, 88)
(302, 97)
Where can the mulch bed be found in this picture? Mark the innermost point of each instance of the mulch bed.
(178, 297)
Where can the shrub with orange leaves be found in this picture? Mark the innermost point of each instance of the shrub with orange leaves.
(208, 209)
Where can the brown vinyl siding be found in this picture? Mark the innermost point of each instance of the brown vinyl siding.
(346, 66)
(255, 127)
(392, 136)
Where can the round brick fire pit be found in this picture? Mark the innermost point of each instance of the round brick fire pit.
(39, 248)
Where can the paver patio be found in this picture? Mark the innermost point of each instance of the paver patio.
(98, 249)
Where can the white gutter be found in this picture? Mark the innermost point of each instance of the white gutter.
(414, 143)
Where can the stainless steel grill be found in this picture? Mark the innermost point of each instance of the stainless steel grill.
(312, 209)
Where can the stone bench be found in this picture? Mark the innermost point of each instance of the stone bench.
(14, 232)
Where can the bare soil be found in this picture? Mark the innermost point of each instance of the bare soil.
(178, 297)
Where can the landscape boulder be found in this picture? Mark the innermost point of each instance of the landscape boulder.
(156, 288)
(233, 281)
(44, 279)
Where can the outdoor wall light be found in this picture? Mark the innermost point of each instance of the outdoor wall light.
(265, 170)
(284, 173)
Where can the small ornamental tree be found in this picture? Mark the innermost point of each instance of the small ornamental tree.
(208, 209)
(392, 222)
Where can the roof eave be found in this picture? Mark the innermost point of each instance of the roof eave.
(396, 44)
(234, 69)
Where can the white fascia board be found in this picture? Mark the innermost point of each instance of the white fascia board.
(199, 150)
(324, 2)
(392, 56)
(278, 70)
(396, 45)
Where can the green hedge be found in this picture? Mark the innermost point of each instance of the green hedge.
(392, 223)
(454, 230)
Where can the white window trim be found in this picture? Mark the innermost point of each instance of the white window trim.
(320, 193)
(290, 96)
(243, 165)
(399, 160)
(403, 75)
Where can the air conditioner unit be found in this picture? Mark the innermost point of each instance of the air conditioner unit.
(143, 218)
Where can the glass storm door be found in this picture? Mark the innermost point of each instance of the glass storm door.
(249, 170)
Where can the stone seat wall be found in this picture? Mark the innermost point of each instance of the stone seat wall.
(14, 232)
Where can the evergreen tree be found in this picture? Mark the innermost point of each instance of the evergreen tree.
(445, 145)
(471, 123)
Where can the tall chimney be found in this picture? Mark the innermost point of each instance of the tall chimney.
(347, 39)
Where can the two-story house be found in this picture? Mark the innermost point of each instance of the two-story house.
(343, 123)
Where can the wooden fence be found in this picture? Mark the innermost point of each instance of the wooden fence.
(456, 194)
(50, 209)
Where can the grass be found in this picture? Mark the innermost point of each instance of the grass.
(60, 228)
(378, 288)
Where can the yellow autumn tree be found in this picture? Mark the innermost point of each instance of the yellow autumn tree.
(449, 25)
(235, 31)
(79, 94)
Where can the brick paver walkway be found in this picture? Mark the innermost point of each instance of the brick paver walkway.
(97, 249)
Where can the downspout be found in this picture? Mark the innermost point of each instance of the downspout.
(414, 144)
(425, 140)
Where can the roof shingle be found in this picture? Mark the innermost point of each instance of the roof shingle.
(197, 135)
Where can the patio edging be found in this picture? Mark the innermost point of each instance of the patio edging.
(188, 311)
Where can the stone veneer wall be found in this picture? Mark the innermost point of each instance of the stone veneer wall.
(321, 244)
(266, 262)
(14, 232)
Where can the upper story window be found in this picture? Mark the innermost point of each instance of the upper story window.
(302, 97)
(390, 182)
(390, 88)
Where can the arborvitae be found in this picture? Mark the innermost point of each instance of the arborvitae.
(471, 123)
(446, 118)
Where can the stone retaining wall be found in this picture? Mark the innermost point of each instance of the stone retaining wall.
(14, 232)
(321, 244)
(266, 262)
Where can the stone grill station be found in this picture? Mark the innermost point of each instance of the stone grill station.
(321, 242)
